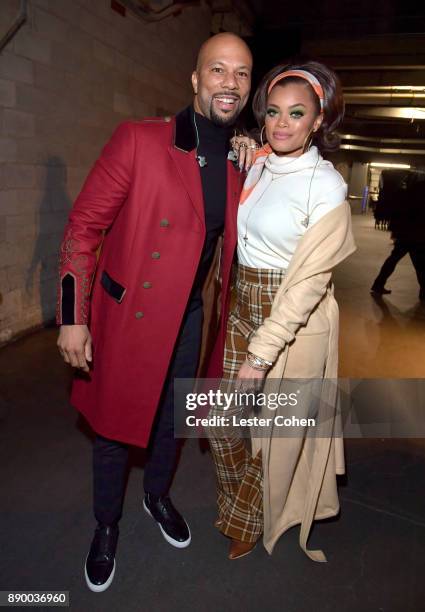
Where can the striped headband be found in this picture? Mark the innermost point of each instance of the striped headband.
(303, 74)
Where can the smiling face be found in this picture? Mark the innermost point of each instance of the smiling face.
(291, 117)
(222, 79)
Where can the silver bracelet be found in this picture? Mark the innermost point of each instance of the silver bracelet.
(258, 363)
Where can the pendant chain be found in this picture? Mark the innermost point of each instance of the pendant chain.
(305, 222)
(201, 159)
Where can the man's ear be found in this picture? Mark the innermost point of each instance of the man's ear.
(195, 82)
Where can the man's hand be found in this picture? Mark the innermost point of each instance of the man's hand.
(75, 345)
(245, 148)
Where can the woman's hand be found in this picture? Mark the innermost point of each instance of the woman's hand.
(249, 379)
(245, 148)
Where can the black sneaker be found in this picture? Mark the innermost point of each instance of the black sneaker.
(172, 525)
(100, 563)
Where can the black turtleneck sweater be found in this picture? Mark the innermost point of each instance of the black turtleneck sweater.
(214, 143)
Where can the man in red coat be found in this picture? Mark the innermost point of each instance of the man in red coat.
(156, 201)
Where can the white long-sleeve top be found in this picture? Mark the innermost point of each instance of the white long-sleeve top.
(290, 191)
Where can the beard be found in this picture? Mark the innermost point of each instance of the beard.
(223, 120)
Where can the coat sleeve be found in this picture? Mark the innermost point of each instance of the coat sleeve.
(290, 310)
(104, 193)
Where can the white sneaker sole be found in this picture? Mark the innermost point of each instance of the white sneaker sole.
(98, 588)
(166, 536)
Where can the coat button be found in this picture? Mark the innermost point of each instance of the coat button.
(138, 315)
(164, 223)
(147, 285)
(155, 255)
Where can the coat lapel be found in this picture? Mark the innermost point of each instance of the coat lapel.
(183, 154)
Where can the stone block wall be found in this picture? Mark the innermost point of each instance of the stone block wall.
(73, 72)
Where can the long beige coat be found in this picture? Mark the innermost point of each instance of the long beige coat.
(300, 472)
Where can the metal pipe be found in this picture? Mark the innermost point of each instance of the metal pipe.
(396, 112)
(380, 98)
(383, 140)
(395, 88)
(20, 19)
(348, 147)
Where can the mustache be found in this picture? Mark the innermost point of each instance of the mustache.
(230, 94)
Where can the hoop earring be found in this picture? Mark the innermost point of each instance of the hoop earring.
(308, 141)
(261, 134)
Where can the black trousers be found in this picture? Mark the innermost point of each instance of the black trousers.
(400, 249)
(110, 457)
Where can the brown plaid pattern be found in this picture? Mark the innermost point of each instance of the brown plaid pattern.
(239, 475)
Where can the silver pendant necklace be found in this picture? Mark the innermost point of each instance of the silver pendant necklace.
(245, 238)
(306, 220)
(201, 159)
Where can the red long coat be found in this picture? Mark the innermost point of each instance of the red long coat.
(144, 199)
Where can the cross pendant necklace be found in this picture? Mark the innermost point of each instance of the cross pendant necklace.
(245, 238)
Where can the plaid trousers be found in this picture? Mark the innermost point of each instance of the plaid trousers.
(239, 474)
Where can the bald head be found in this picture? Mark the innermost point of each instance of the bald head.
(222, 79)
(219, 42)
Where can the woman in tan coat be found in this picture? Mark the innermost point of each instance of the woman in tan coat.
(294, 227)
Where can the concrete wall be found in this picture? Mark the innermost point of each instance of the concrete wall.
(72, 73)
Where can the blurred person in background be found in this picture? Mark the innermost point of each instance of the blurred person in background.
(407, 226)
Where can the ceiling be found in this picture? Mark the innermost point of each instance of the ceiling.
(348, 18)
(378, 50)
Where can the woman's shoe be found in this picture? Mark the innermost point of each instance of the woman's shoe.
(239, 549)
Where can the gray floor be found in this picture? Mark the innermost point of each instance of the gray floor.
(375, 549)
